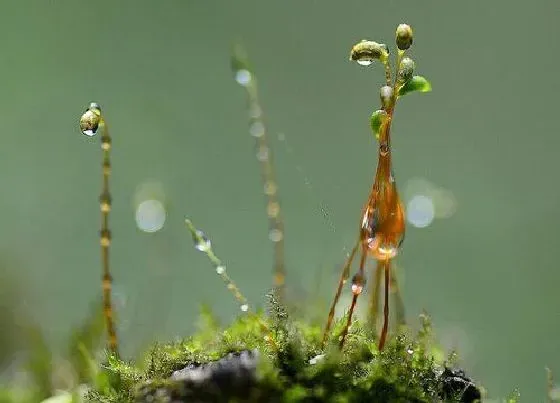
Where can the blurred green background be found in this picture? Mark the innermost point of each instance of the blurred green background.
(486, 137)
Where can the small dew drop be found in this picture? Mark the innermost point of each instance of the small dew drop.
(554, 393)
(364, 61)
(220, 269)
(202, 243)
(255, 111)
(275, 235)
(358, 283)
(273, 209)
(243, 77)
(244, 307)
(269, 188)
(410, 351)
(256, 129)
(316, 359)
(262, 153)
(150, 215)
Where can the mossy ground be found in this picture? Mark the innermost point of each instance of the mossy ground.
(291, 366)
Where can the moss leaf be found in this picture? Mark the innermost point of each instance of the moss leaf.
(415, 84)
(376, 120)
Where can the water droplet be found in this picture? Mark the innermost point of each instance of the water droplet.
(275, 235)
(316, 359)
(554, 393)
(383, 226)
(244, 307)
(89, 121)
(269, 188)
(410, 351)
(150, 215)
(220, 269)
(262, 153)
(358, 283)
(365, 52)
(255, 111)
(365, 61)
(201, 242)
(256, 129)
(273, 209)
(243, 77)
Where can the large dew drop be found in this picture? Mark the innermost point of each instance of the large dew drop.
(89, 122)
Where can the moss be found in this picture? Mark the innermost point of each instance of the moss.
(281, 362)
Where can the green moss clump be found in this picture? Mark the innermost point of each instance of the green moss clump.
(263, 359)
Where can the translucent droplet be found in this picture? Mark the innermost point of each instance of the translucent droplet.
(410, 351)
(220, 269)
(554, 393)
(244, 307)
(383, 226)
(365, 61)
(269, 188)
(275, 235)
(243, 77)
(150, 215)
(256, 129)
(262, 153)
(255, 111)
(273, 209)
(89, 121)
(201, 242)
(365, 52)
(358, 283)
(316, 359)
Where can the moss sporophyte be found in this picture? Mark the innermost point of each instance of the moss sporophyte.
(273, 356)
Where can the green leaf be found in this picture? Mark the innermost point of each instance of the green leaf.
(376, 120)
(416, 83)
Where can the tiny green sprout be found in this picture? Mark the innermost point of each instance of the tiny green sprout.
(377, 119)
(406, 70)
(416, 83)
(404, 36)
(366, 52)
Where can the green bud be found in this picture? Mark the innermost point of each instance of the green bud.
(366, 52)
(404, 36)
(406, 70)
(386, 95)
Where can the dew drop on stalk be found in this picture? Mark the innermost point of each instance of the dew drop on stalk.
(358, 283)
(90, 120)
(220, 269)
(243, 77)
(364, 62)
(244, 307)
(256, 129)
(201, 242)
(275, 235)
(262, 153)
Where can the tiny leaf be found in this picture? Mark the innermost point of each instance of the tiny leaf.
(376, 120)
(416, 83)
